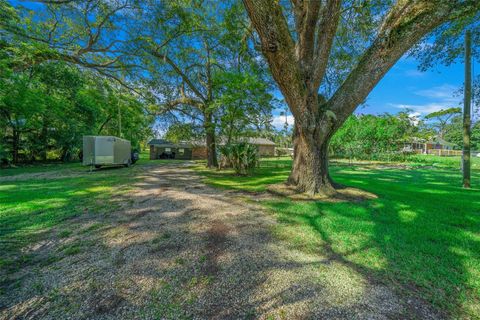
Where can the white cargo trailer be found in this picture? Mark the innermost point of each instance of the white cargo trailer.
(106, 151)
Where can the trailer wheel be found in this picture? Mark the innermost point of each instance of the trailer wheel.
(97, 166)
(129, 162)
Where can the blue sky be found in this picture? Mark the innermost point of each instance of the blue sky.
(404, 86)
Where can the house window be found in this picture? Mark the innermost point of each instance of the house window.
(181, 151)
(168, 149)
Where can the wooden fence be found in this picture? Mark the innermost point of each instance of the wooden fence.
(444, 152)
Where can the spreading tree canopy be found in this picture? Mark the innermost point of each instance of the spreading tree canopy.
(187, 60)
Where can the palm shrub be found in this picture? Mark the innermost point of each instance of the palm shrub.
(242, 157)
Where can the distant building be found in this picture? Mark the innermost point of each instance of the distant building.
(266, 148)
(197, 150)
(436, 145)
(164, 149)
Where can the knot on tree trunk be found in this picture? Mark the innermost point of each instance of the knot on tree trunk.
(271, 47)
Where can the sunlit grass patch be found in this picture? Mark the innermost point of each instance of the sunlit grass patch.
(31, 206)
(421, 234)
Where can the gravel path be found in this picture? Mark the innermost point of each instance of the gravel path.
(178, 249)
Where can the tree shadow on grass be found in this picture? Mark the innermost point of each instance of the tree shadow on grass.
(422, 234)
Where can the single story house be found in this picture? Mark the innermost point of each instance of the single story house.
(266, 148)
(164, 149)
(197, 150)
(432, 146)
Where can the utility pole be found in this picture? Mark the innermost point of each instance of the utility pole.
(119, 122)
(466, 110)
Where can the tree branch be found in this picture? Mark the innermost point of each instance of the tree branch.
(183, 101)
(306, 18)
(177, 69)
(406, 23)
(326, 33)
(279, 49)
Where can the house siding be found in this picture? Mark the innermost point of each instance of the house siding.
(156, 152)
(266, 150)
(199, 153)
(152, 152)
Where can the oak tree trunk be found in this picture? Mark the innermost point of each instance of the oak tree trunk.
(310, 169)
(310, 160)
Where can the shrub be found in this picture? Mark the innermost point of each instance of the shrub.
(283, 152)
(242, 157)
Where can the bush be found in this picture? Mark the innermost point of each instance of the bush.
(3, 156)
(281, 152)
(242, 157)
(370, 137)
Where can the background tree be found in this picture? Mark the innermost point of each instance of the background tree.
(183, 69)
(299, 55)
(167, 53)
(283, 138)
(183, 132)
(46, 107)
(244, 105)
(91, 34)
(372, 137)
(204, 72)
(442, 118)
(454, 133)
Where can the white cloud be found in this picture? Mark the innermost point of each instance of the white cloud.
(446, 93)
(414, 73)
(422, 108)
(436, 99)
(279, 121)
(414, 118)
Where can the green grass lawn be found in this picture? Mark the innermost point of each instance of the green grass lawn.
(55, 165)
(29, 208)
(35, 198)
(425, 160)
(441, 162)
(421, 234)
(38, 168)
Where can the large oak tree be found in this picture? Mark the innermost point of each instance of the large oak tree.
(299, 41)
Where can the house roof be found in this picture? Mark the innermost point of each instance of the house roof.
(440, 141)
(434, 140)
(414, 140)
(168, 144)
(159, 141)
(261, 141)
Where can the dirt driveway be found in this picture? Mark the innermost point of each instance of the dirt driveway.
(178, 249)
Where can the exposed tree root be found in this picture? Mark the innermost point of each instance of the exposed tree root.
(341, 194)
